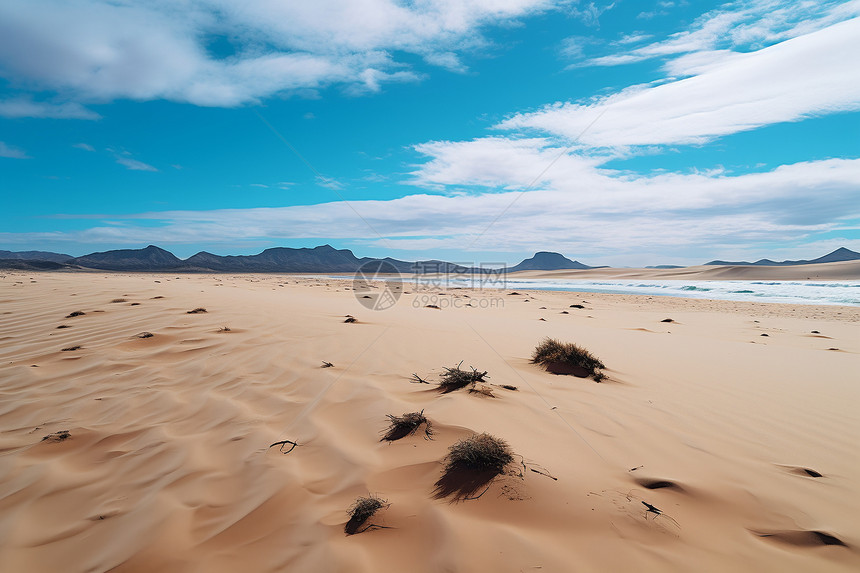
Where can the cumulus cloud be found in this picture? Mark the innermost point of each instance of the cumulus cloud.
(100, 50)
(588, 212)
(732, 92)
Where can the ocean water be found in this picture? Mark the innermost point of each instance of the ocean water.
(790, 292)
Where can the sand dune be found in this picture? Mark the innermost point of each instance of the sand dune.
(744, 445)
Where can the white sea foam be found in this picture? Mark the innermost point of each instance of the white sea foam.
(793, 292)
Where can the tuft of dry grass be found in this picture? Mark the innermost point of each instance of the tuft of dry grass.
(482, 390)
(407, 425)
(198, 310)
(60, 436)
(144, 335)
(76, 313)
(567, 358)
(71, 348)
(119, 300)
(455, 378)
(471, 465)
(360, 511)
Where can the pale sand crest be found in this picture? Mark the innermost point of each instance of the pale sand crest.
(167, 465)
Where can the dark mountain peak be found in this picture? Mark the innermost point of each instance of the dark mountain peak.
(150, 258)
(548, 261)
(840, 254)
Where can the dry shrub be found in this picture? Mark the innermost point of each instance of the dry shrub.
(360, 511)
(471, 465)
(407, 425)
(455, 378)
(198, 310)
(76, 313)
(567, 358)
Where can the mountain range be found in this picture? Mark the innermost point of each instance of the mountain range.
(839, 255)
(322, 259)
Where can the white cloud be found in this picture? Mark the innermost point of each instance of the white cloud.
(801, 77)
(99, 50)
(593, 213)
(84, 146)
(134, 164)
(12, 152)
(745, 24)
(25, 107)
(590, 13)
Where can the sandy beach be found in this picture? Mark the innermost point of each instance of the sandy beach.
(738, 422)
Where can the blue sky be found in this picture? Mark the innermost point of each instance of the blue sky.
(623, 133)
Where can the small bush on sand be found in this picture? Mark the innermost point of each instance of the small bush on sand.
(360, 511)
(455, 378)
(198, 310)
(76, 313)
(116, 300)
(472, 464)
(407, 425)
(567, 358)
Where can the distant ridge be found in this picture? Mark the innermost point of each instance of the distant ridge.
(548, 261)
(321, 259)
(839, 255)
(35, 256)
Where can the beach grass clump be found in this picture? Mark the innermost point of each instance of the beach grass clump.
(455, 378)
(567, 358)
(471, 465)
(198, 310)
(75, 313)
(407, 425)
(360, 511)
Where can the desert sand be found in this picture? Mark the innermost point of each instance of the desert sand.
(167, 464)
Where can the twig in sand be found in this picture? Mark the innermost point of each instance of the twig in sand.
(283, 443)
